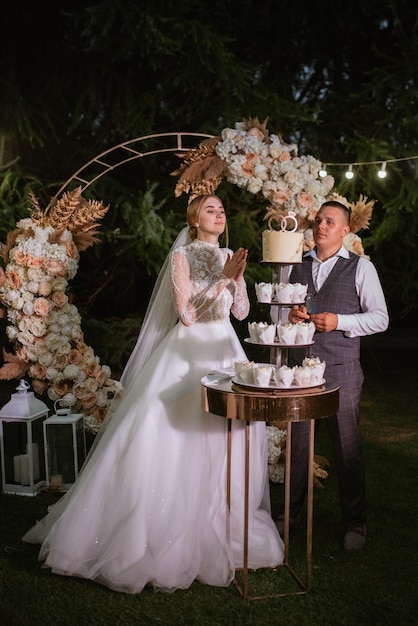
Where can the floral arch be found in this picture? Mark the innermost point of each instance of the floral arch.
(42, 253)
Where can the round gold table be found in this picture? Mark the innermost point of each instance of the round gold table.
(279, 408)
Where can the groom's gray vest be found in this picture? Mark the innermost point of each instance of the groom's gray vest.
(337, 295)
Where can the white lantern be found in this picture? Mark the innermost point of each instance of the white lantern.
(65, 448)
(21, 442)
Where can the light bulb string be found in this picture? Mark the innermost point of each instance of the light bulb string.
(352, 163)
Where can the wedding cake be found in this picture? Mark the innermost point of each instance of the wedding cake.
(282, 246)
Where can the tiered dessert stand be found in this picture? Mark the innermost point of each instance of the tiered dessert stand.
(235, 401)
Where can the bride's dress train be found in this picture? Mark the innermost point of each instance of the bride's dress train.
(149, 507)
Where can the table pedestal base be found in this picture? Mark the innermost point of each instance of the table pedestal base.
(234, 403)
(304, 585)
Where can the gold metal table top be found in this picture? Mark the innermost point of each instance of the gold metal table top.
(229, 400)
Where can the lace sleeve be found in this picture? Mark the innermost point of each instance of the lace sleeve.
(191, 307)
(241, 306)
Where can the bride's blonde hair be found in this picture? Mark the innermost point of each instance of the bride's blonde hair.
(193, 213)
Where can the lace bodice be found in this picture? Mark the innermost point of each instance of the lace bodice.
(201, 293)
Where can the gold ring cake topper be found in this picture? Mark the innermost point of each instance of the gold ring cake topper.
(283, 222)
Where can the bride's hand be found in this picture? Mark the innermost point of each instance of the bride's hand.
(235, 265)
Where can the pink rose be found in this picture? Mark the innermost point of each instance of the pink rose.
(39, 386)
(38, 371)
(75, 357)
(89, 401)
(99, 413)
(35, 261)
(55, 267)
(312, 213)
(41, 307)
(59, 389)
(256, 132)
(248, 167)
(92, 369)
(60, 361)
(79, 390)
(284, 156)
(59, 298)
(281, 196)
(304, 199)
(20, 257)
(14, 280)
(44, 288)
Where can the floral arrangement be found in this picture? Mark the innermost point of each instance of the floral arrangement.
(41, 257)
(251, 158)
(276, 443)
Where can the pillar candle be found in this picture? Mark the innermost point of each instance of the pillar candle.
(16, 468)
(24, 469)
(35, 460)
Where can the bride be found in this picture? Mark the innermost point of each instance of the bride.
(149, 506)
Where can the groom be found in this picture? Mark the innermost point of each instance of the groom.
(349, 303)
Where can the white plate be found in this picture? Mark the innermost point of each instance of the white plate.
(276, 344)
(282, 303)
(273, 385)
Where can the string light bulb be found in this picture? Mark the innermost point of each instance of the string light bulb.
(382, 172)
(323, 171)
(349, 173)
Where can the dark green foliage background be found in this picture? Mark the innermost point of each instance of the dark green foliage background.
(79, 77)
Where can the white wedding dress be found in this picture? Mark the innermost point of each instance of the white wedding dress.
(149, 507)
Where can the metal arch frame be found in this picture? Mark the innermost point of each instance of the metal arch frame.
(132, 154)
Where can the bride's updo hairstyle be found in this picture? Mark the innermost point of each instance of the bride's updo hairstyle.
(193, 213)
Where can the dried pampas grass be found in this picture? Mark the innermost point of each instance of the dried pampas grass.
(14, 367)
(71, 212)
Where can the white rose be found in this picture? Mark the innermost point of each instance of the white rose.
(25, 338)
(65, 346)
(291, 177)
(38, 328)
(62, 318)
(69, 398)
(106, 369)
(72, 267)
(51, 373)
(91, 384)
(261, 171)
(41, 346)
(24, 323)
(59, 283)
(70, 371)
(76, 334)
(25, 223)
(11, 295)
(18, 303)
(42, 234)
(102, 399)
(11, 332)
(35, 274)
(52, 394)
(254, 185)
(28, 308)
(45, 359)
(32, 353)
(53, 342)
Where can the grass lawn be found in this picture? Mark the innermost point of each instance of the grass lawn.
(376, 586)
